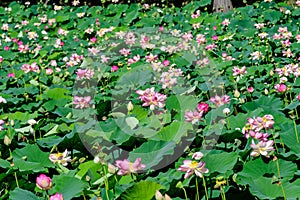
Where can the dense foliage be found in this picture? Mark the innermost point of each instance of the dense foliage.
(142, 102)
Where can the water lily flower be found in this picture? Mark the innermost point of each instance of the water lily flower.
(126, 167)
(262, 148)
(191, 167)
(43, 182)
(57, 196)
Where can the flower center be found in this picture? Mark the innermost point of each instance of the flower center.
(193, 164)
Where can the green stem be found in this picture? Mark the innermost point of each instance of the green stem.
(205, 189)
(275, 142)
(222, 193)
(279, 177)
(105, 182)
(228, 123)
(197, 189)
(16, 178)
(185, 194)
(296, 131)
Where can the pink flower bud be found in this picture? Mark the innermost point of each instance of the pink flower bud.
(250, 89)
(203, 107)
(43, 182)
(114, 68)
(197, 155)
(215, 37)
(57, 196)
(11, 75)
(280, 88)
(166, 62)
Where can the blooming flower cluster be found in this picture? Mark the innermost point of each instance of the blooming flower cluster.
(30, 68)
(152, 98)
(288, 70)
(126, 167)
(75, 59)
(169, 78)
(193, 166)
(261, 145)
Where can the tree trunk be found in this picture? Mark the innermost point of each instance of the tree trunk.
(222, 5)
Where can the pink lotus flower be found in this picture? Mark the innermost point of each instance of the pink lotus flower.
(200, 38)
(151, 58)
(203, 107)
(288, 53)
(226, 22)
(161, 29)
(49, 71)
(43, 182)
(126, 167)
(257, 135)
(262, 148)
(259, 123)
(30, 68)
(280, 88)
(239, 71)
(84, 74)
(152, 98)
(125, 52)
(57, 196)
(219, 101)
(81, 102)
(61, 158)
(191, 167)
(193, 117)
(298, 97)
(6, 48)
